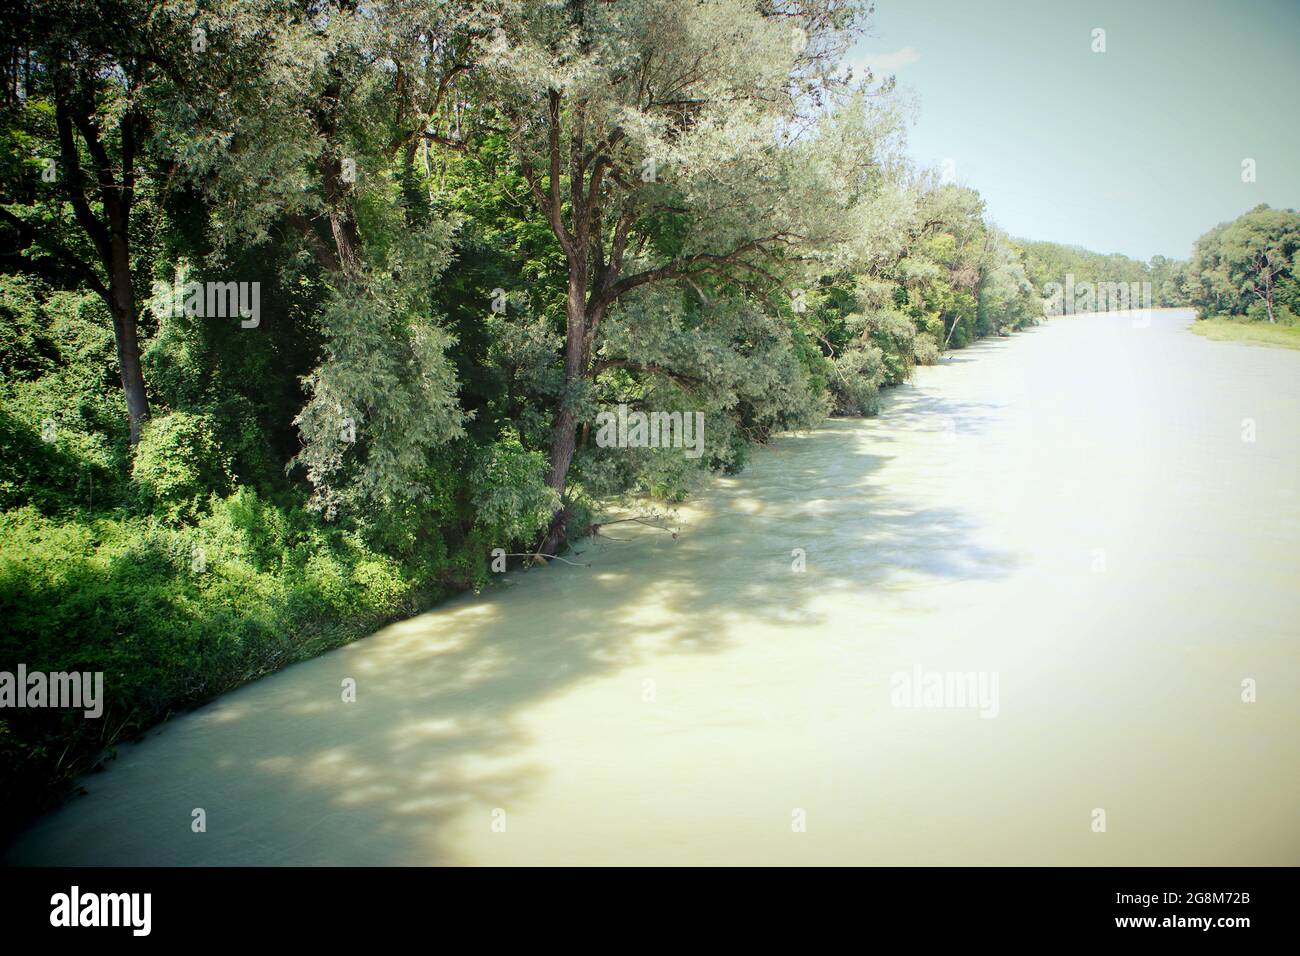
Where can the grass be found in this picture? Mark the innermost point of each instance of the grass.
(1241, 329)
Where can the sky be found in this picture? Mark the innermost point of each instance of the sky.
(1138, 149)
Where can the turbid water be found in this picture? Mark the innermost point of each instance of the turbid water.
(1077, 513)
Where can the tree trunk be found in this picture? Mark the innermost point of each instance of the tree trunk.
(125, 333)
(347, 241)
(564, 432)
(128, 360)
(74, 110)
(950, 332)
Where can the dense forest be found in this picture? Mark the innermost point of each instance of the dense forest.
(307, 307)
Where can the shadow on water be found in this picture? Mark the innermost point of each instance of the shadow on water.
(981, 349)
(287, 773)
(908, 410)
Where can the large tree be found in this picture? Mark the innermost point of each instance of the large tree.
(92, 77)
(667, 141)
(311, 118)
(1258, 249)
(1247, 262)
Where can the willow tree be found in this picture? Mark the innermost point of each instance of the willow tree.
(671, 141)
(309, 117)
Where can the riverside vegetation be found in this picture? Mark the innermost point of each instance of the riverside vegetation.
(1244, 279)
(471, 229)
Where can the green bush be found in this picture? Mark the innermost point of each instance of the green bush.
(172, 615)
(927, 350)
(62, 418)
(178, 463)
(895, 335)
(856, 380)
(36, 467)
(1258, 312)
(510, 494)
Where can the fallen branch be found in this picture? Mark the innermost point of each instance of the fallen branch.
(538, 554)
(595, 528)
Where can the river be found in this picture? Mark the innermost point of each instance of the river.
(1076, 516)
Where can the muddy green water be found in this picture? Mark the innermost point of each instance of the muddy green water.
(1073, 510)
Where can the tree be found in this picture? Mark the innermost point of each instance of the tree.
(310, 118)
(1247, 262)
(93, 76)
(667, 142)
(1258, 248)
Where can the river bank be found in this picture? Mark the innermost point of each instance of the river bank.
(1244, 330)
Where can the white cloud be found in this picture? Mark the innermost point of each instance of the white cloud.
(886, 62)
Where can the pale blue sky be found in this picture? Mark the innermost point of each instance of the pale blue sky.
(1136, 150)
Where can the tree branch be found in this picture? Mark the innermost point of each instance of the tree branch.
(75, 264)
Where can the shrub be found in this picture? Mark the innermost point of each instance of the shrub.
(856, 379)
(34, 470)
(1258, 312)
(510, 494)
(126, 596)
(895, 335)
(178, 463)
(927, 350)
(62, 424)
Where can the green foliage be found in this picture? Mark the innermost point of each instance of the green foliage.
(927, 349)
(178, 463)
(511, 498)
(1248, 266)
(895, 336)
(855, 383)
(172, 615)
(1047, 262)
(61, 416)
(384, 394)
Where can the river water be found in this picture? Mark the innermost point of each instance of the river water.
(1075, 516)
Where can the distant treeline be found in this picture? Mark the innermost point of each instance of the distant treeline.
(1249, 268)
(1051, 262)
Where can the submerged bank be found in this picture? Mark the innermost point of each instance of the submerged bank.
(1119, 557)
